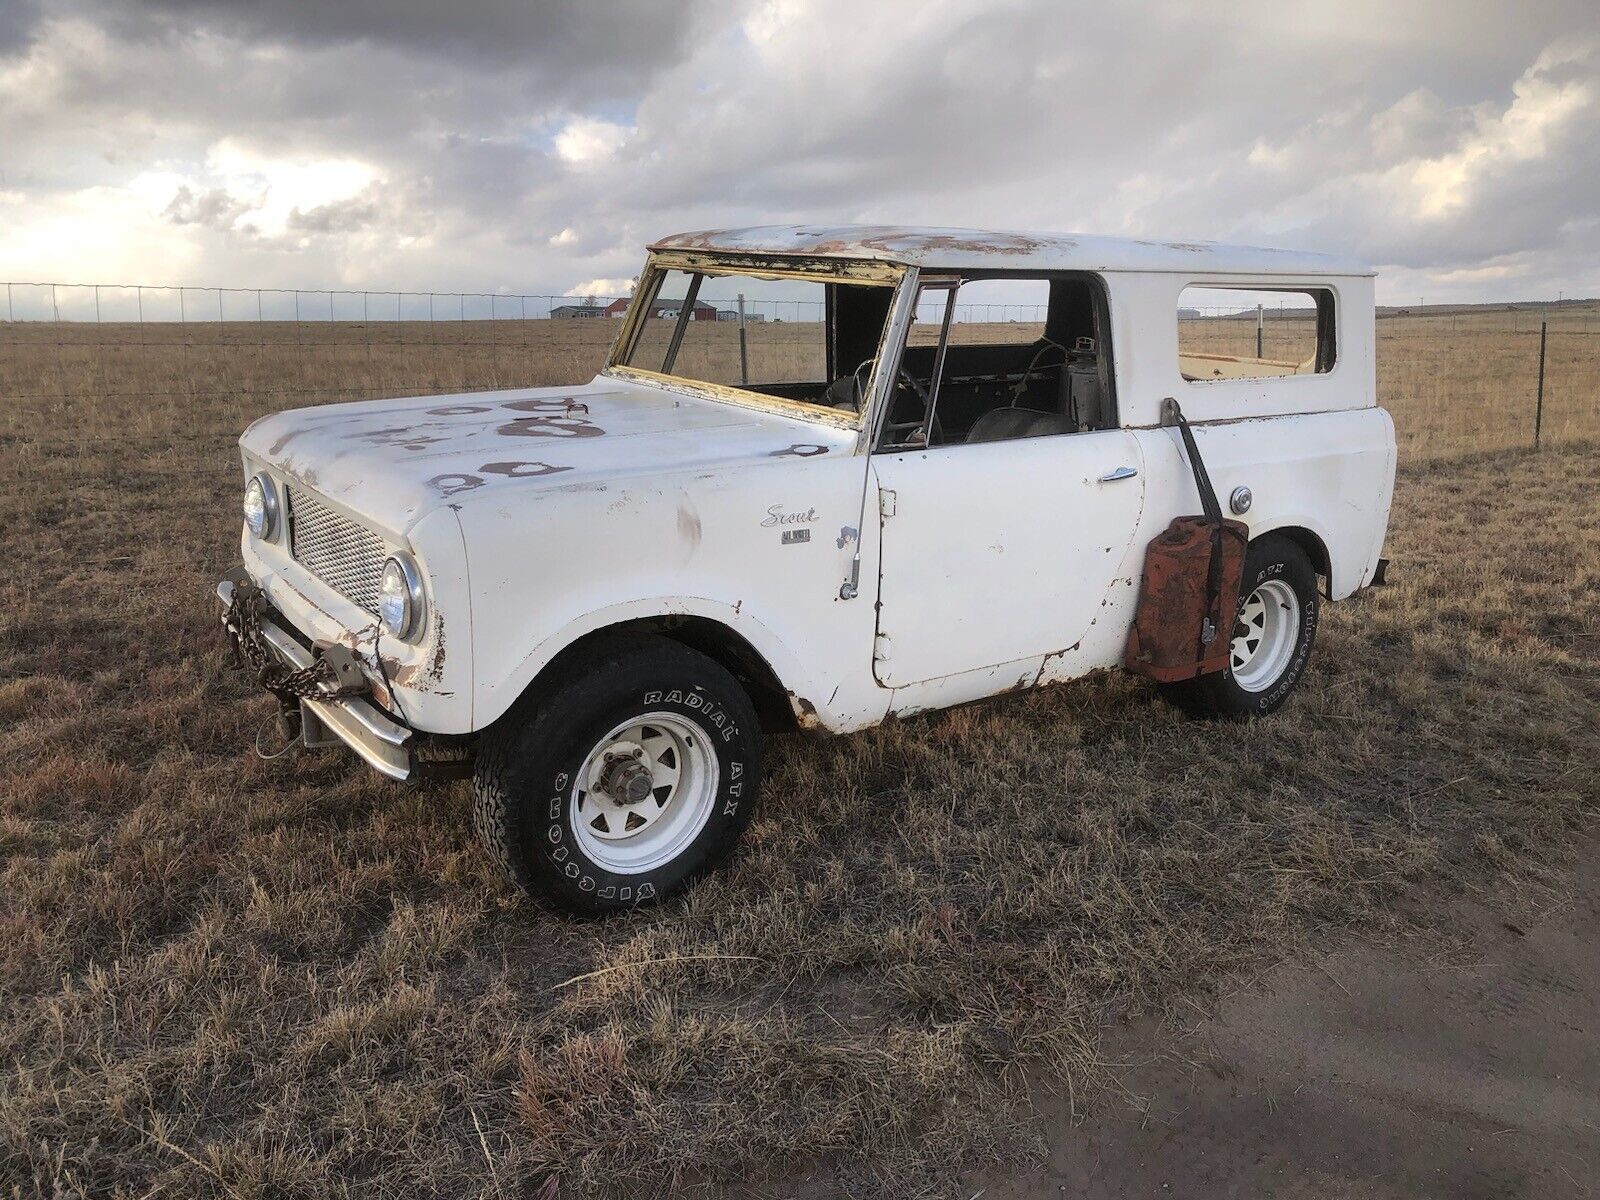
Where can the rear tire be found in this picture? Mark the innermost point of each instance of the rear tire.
(626, 781)
(1272, 637)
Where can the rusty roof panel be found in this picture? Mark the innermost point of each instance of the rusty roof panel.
(978, 249)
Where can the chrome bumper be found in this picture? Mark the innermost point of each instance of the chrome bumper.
(368, 730)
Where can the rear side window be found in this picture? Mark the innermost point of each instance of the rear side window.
(1254, 333)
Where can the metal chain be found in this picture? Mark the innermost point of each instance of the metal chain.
(243, 623)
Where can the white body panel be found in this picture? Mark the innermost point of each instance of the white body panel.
(977, 573)
(1144, 333)
(542, 515)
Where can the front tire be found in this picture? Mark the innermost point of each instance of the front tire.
(628, 780)
(1272, 637)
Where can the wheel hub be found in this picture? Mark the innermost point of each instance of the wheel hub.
(645, 789)
(1264, 635)
(625, 778)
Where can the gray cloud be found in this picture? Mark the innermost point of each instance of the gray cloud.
(17, 21)
(533, 147)
(340, 216)
(561, 43)
(214, 207)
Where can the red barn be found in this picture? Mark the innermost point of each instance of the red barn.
(667, 309)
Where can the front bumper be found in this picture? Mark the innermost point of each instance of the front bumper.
(381, 741)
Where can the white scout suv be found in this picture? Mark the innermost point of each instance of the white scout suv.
(926, 466)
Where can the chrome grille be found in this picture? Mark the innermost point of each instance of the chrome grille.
(342, 554)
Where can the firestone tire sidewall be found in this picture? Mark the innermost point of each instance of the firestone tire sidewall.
(536, 783)
(1274, 560)
(549, 836)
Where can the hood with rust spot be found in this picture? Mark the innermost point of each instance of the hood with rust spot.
(394, 460)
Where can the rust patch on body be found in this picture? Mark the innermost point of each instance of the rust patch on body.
(522, 470)
(805, 713)
(552, 426)
(436, 663)
(566, 404)
(798, 262)
(450, 485)
(1023, 683)
(406, 437)
(882, 239)
(416, 676)
(995, 243)
(799, 450)
(709, 239)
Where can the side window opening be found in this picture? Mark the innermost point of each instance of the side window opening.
(1255, 333)
(1002, 357)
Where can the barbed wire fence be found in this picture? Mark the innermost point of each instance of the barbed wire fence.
(77, 359)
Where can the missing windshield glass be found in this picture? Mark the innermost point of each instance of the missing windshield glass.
(795, 339)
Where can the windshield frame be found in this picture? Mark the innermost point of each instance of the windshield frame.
(774, 267)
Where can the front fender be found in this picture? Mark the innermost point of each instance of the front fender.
(498, 691)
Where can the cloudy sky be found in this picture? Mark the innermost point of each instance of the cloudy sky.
(534, 146)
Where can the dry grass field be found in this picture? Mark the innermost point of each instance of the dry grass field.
(1457, 382)
(222, 976)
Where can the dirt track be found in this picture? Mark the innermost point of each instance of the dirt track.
(1369, 1074)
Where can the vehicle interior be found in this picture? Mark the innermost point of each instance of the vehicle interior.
(977, 366)
(1254, 333)
(965, 377)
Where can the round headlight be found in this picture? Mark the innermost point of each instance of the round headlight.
(260, 507)
(400, 600)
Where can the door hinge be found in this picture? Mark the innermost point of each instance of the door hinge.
(885, 502)
(880, 648)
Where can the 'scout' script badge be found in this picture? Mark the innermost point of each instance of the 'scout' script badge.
(776, 516)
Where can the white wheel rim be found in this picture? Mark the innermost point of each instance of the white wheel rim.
(1264, 635)
(629, 836)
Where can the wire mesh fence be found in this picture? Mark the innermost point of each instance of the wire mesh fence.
(84, 363)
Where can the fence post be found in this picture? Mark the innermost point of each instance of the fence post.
(1261, 317)
(1538, 407)
(744, 349)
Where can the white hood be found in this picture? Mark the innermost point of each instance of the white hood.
(394, 460)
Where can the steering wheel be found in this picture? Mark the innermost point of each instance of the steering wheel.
(852, 400)
(936, 431)
(845, 392)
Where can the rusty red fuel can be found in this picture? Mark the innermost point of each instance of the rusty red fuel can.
(1189, 594)
(1179, 631)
